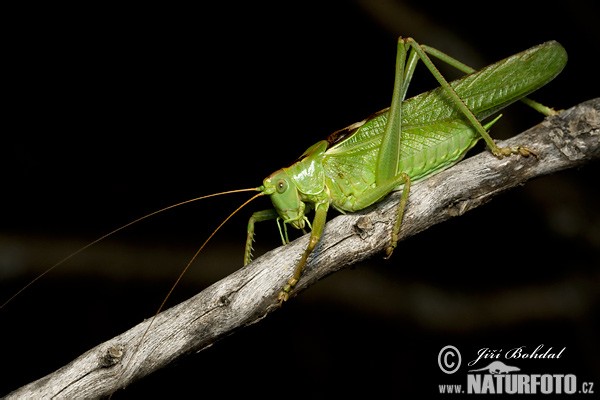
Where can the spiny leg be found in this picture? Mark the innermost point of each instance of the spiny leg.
(258, 216)
(411, 65)
(497, 151)
(400, 214)
(315, 236)
(389, 151)
(547, 111)
(378, 193)
(387, 175)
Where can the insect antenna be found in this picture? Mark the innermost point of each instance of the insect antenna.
(119, 229)
(179, 279)
(200, 249)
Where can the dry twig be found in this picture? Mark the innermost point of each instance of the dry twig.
(567, 140)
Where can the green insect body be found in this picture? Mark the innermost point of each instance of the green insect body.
(409, 141)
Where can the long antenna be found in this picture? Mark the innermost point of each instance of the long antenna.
(179, 279)
(117, 230)
(196, 255)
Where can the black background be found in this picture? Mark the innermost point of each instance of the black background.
(112, 112)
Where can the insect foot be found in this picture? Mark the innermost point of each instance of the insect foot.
(284, 295)
(525, 152)
(389, 251)
(507, 151)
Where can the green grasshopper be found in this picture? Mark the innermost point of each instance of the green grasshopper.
(407, 142)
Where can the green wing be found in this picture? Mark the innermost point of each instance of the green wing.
(435, 133)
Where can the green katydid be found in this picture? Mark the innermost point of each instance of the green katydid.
(413, 139)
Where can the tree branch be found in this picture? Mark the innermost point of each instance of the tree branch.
(567, 140)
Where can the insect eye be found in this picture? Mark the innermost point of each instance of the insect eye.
(281, 186)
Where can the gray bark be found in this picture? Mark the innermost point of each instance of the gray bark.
(567, 140)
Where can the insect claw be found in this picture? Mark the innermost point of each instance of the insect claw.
(525, 152)
(388, 252)
(504, 152)
(520, 150)
(283, 296)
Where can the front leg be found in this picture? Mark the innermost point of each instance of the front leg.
(258, 216)
(315, 236)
